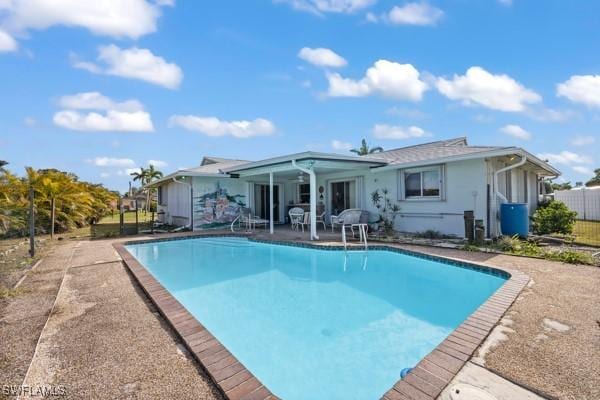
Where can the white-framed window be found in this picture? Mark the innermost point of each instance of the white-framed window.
(425, 183)
(162, 198)
(303, 193)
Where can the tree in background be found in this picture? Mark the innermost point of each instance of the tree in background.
(561, 186)
(61, 201)
(364, 149)
(595, 181)
(145, 176)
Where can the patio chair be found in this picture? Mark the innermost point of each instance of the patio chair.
(250, 220)
(296, 216)
(347, 218)
(305, 220)
(321, 220)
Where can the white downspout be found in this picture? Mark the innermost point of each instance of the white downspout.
(190, 225)
(313, 199)
(497, 190)
(271, 202)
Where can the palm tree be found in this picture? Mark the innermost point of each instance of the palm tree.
(145, 176)
(151, 174)
(2, 165)
(364, 149)
(140, 175)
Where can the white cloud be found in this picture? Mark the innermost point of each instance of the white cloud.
(104, 175)
(319, 7)
(7, 42)
(138, 121)
(583, 140)
(583, 170)
(97, 101)
(421, 14)
(322, 57)
(340, 145)
(410, 113)
(584, 89)
(127, 116)
(516, 131)
(158, 163)
(116, 18)
(565, 158)
(387, 78)
(213, 126)
(370, 17)
(134, 63)
(30, 122)
(111, 162)
(507, 3)
(551, 115)
(383, 131)
(497, 92)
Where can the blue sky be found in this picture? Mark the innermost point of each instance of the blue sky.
(102, 87)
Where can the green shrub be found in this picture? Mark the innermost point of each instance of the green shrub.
(517, 246)
(570, 257)
(554, 218)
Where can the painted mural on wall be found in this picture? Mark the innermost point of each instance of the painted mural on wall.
(217, 208)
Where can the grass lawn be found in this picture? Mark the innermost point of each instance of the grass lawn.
(129, 217)
(587, 232)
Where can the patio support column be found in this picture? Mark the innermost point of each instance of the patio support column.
(313, 205)
(313, 198)
(271, 203)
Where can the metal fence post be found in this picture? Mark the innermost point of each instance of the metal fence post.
(31, 223)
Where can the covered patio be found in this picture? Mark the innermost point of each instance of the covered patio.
(275, 174)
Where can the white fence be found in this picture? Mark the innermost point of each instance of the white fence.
(586, 201)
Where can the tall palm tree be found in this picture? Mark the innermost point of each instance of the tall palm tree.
(151, 174)
(142, 176)
(364, 149)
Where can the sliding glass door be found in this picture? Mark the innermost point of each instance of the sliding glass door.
(343, 196)
(261, 201)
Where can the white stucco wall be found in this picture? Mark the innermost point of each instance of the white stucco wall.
(465, 189)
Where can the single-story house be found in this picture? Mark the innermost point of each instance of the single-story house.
(433, 184)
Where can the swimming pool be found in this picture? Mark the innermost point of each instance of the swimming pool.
(317, 324)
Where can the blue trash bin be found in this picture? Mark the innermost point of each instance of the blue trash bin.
(514, 219)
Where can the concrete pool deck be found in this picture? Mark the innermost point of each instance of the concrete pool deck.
(104, 339)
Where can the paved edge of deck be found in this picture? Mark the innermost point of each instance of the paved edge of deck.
(424, 382)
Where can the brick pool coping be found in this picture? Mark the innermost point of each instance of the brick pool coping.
(426, 380)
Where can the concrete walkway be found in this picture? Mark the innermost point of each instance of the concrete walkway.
(104, 340)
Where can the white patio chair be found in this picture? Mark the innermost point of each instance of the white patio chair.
(346, 217)
(321, 220)
(305, 221)
(296, 216)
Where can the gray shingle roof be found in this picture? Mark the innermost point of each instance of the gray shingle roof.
(215, 165)
(431, 151)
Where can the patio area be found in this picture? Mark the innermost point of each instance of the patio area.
(104, 339)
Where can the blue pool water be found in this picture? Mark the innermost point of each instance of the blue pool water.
(317, 324)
